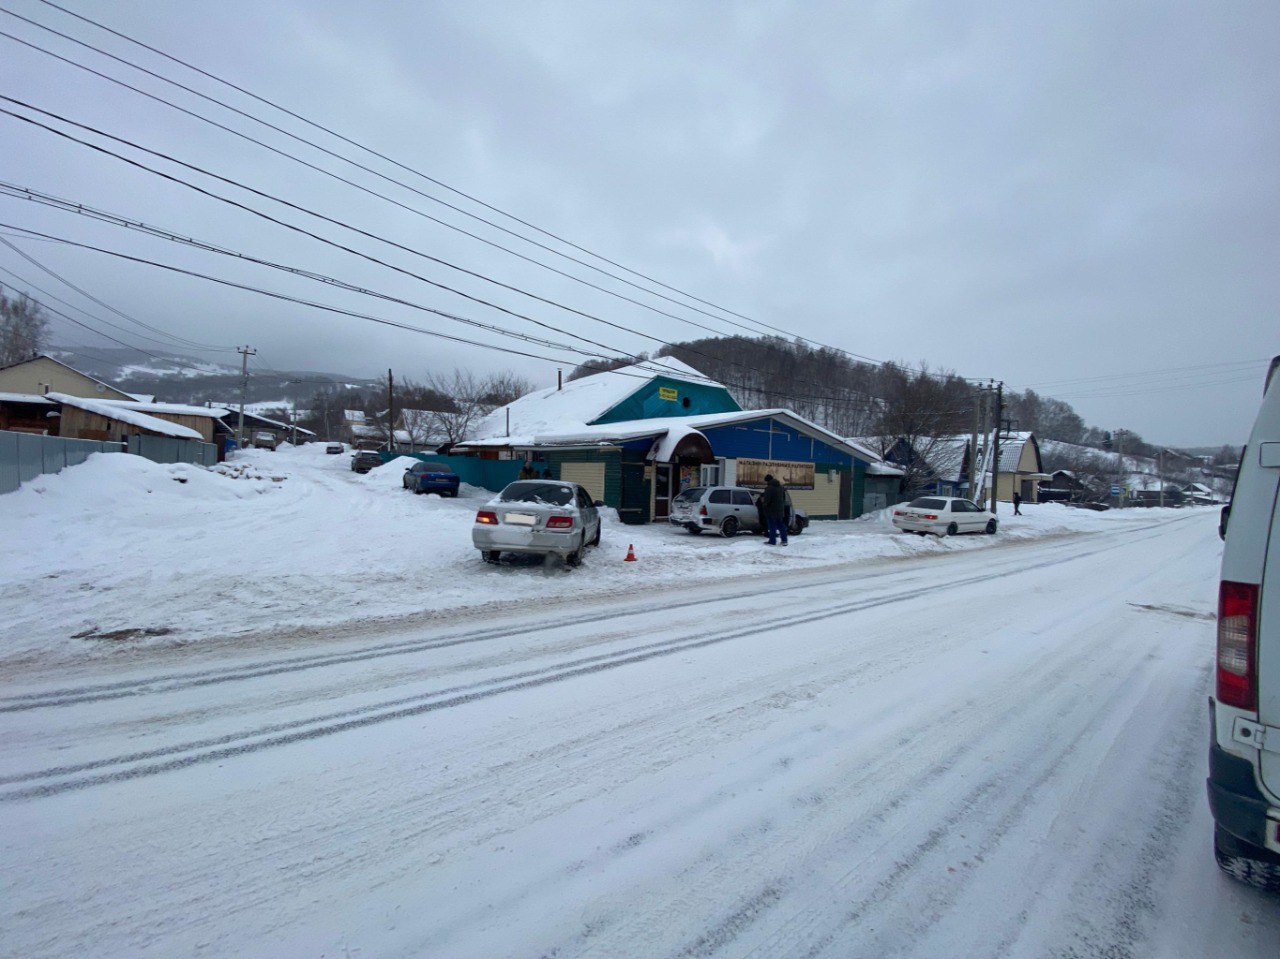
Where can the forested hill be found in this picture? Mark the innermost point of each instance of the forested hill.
(853, 397)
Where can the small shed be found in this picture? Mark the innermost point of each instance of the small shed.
(98, 420)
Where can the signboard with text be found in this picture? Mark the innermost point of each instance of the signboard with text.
(790, 475)
(668, 393)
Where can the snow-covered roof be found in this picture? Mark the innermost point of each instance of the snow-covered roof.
(125, 415)
(144, 397)
(250, 417)
(173, 409)
(661, 428)
(377, 433)
(353, 416)
(580, 401)
(24, 398)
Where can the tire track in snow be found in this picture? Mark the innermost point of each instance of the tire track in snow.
(172, 682)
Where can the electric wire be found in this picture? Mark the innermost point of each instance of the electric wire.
(689, 296)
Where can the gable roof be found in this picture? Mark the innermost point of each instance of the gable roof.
(65, 366)
(581, 401)
(124, 415)
(174, 409)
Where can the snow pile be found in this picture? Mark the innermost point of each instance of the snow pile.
(293, 539)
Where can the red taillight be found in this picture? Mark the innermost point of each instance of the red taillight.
(703, 512)
(560, 522)
(898, 512)
(486, 517)
(929, 516)
(1237, 652)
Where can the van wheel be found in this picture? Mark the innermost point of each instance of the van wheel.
(729, 528)
(1244, 863)
(953, 529)
(991, 527)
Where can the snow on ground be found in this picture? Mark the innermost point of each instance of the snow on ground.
(977, 752)
(121, 549)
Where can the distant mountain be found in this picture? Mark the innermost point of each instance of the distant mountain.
(175, 378)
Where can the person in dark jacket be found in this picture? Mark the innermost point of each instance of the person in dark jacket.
(1017, 503)
(774, 504)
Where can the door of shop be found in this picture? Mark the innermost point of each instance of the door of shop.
(662, 479)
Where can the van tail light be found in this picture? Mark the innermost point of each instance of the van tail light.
(1237, 645)
(703, 512)
(487, 517)
(559, 522)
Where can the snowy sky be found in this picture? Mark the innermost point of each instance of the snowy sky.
(1047, 195)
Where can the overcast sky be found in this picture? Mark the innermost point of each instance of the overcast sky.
(1048, 195)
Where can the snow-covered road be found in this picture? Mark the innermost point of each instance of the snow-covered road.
(988, 752)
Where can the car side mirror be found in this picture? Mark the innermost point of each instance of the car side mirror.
(598, 503)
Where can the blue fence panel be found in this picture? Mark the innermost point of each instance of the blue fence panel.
(24, 456)
(492, 475)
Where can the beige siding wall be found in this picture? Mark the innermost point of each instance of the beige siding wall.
(822, 500)
(201, 424)
(43, 375)
(590, 476)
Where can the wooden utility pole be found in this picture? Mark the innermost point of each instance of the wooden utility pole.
(995, 445)
(391, 415)
(973, 442)
(245, 353)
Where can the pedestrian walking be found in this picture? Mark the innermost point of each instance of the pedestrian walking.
(774, 504)
(1017, 503)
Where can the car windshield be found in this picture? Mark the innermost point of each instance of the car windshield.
(926, 502)
(691, 495)
(533, 492)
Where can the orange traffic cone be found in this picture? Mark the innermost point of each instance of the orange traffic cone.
(631, 554)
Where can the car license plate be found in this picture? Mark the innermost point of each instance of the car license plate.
(521, 519)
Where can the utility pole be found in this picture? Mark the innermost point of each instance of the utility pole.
(980, 397)
(995, 445)
(245, 353)
(391, 416)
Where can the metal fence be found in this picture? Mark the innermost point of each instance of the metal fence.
(165, 449)
(24, 456)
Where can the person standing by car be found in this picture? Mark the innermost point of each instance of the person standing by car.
(774, 503)
(1017, 503)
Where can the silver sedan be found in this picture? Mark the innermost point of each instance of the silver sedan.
(943, 516)
(540, 517)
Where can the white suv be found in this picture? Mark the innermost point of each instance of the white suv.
(1244, 755)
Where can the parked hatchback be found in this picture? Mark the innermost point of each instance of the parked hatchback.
(431, 478)
(1244, 713)
(943, 516)
(538, 517)
(728, 510)
(364, 460)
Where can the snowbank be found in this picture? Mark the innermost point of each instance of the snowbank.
(121, 548)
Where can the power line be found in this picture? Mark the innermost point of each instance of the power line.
(379, 320)
(180, 340)
(400, 183)
(249, 209)
(165, 234)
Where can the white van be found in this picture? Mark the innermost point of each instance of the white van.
(1244, 755)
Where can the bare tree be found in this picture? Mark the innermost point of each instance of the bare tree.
(466, 394)
(924, 420)
(24, 329)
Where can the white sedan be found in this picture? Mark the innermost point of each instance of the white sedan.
(943, 516)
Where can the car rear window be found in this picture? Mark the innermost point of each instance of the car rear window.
(926, 503)
(435, 468)
(534, 492)
(691, 495)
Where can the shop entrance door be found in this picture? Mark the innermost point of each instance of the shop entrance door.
(662, 478)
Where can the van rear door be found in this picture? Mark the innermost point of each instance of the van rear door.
(1268, 623)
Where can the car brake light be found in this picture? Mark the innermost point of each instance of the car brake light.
(929, 516)
(1237, 648)
(703, 512)
(484, 516)
(559, 522)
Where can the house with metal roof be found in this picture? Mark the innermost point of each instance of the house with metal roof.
(636, 437)
(43, 374)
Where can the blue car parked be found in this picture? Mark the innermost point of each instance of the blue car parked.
(431, 478)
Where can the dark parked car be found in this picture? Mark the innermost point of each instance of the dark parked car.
(365, 460)
(431, 478)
